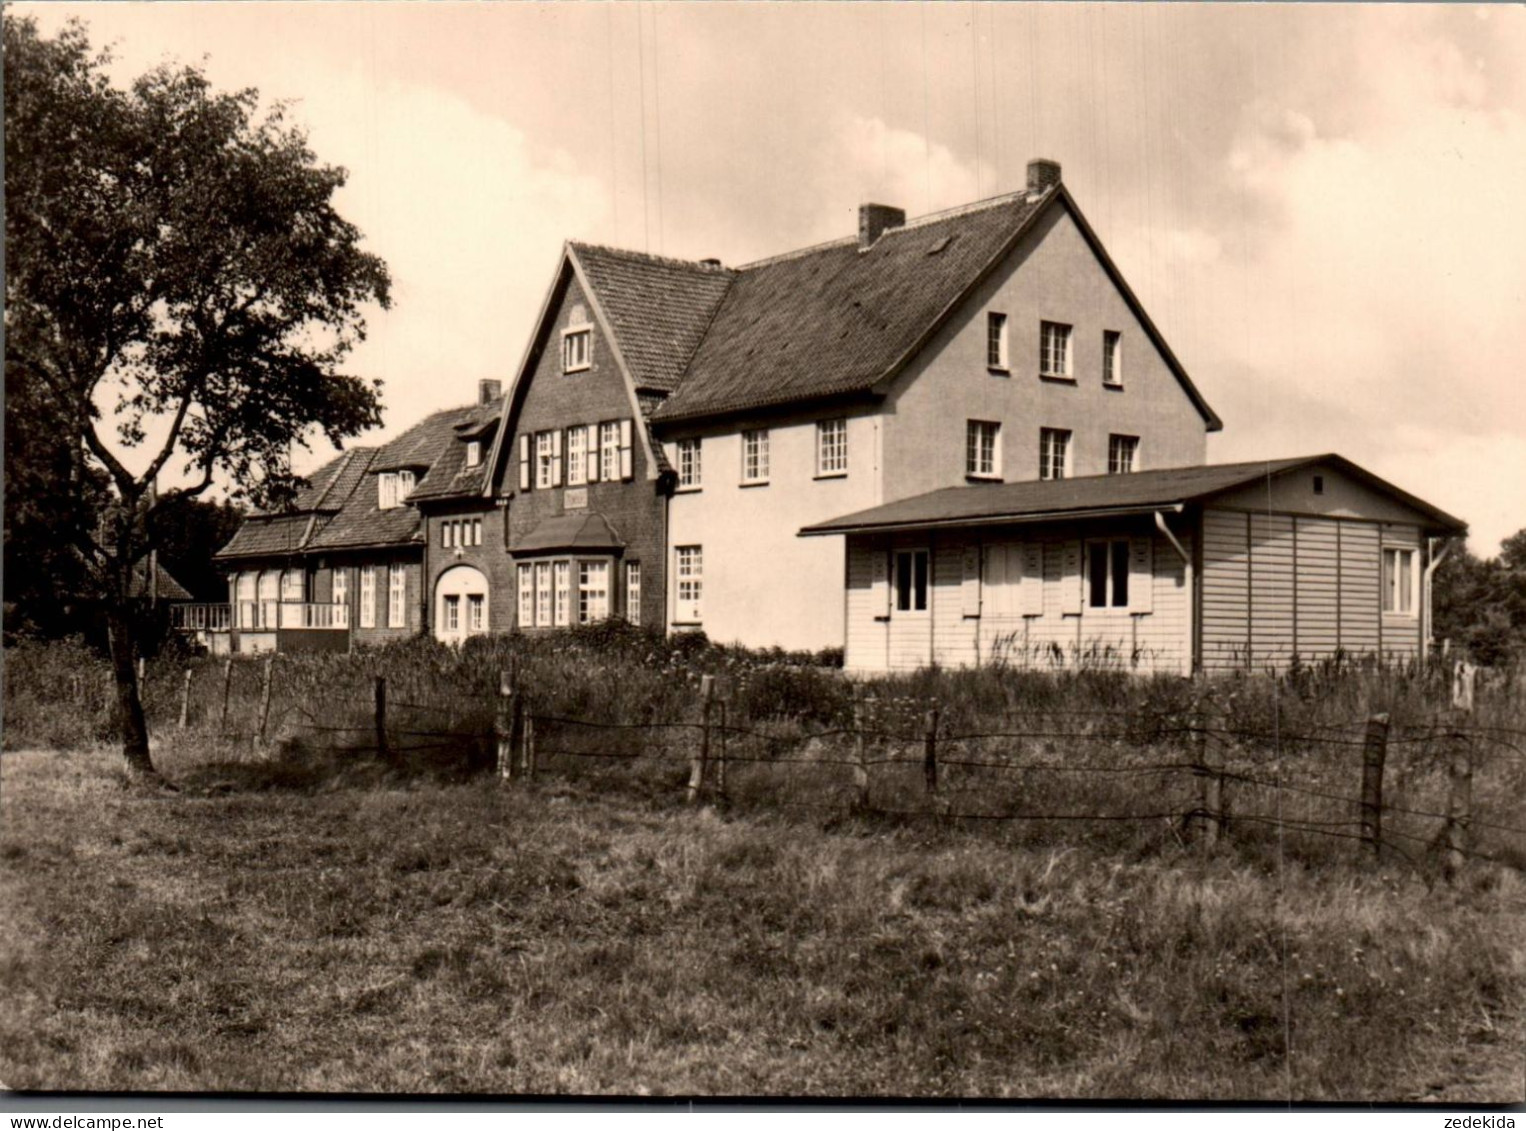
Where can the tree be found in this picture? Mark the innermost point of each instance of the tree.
(1480, 603)
(180, 296)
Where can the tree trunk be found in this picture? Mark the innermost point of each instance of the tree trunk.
(131, 723)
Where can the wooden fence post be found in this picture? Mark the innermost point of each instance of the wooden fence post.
(860, 761)
(265, 698)
(930, 752)
(720, 755)
(1374, 750)
(504, 724)
(1210, 782)
(222, 717)
(1459, 807)
(185, 699)
(381, 717)
(698, 763)
(527, 739)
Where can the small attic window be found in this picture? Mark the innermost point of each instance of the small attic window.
(1319, 484)
(473, 453)
(939, 245)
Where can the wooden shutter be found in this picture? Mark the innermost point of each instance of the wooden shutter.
(993, 578)
(556, 458)
(592, 457)
(969, 588)
(1141, 575)
(1071, 577)
(625, 450)
(1032, 589)
(524, 463)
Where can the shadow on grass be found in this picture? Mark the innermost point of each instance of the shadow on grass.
(296, 766)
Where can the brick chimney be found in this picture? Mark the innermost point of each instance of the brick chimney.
(1043, 175)
(874, 220)
(489, 389)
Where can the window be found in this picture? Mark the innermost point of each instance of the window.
(447, 531)
(1054, 453)
(476, 612)
(543, 593)
(1122, 454)
(452, 613)
(543, 455)
(593, 591)
(341, 595)
(609, 450)
(577, 456)
(689, 463)
(832, 447)
(368, 597)
(1107, 574)
(996, 341)
(293, 584)
(982, 449)
(911, 581)
(473, 453)
(691, 583)
(755, 456)
(386, 490)
(476, 532)
(1054, 349)
(1112, 358)
(562, 571)
(633, 592)
(397, 598)
(405, 482)
(577, 346)
(526, 597)
(1399, 581)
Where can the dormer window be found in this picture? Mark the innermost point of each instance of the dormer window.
(577, 348)
(473, 453)
(405, 483)
(392, 487)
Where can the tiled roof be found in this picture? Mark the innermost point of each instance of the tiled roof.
(1039, 500)
(264, 535)
(834, 319)
(442, 438)
(168, 588)
(587, 530)
(658, 308)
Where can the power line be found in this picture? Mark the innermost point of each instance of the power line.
(646, 226)
(657, 110)
(614, 168)
(927, 145)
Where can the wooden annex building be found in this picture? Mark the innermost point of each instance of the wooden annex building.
(1205, 568)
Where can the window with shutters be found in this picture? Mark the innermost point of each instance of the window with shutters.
(755, 457)
(577, 455)
(543, 453)
(689, 466)
(1107, 574)
(910, 581)
(609, 450)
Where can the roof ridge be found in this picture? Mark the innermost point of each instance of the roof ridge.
(786, 256)
(1020, 195)
(695, 265)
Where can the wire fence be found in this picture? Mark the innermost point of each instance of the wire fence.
(1436, 792)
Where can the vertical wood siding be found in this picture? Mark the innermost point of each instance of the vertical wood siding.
(1226, 590)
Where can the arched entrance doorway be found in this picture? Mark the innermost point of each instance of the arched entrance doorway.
(460, 604)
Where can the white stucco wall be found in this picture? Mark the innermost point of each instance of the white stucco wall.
(763, 585)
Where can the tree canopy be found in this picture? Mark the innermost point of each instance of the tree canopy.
(180, 298)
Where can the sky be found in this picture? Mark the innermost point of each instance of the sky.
(1318, 205)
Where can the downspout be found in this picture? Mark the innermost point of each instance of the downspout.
(1425, 597)
(1181, 551)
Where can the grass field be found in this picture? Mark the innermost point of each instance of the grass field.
(276, 929)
